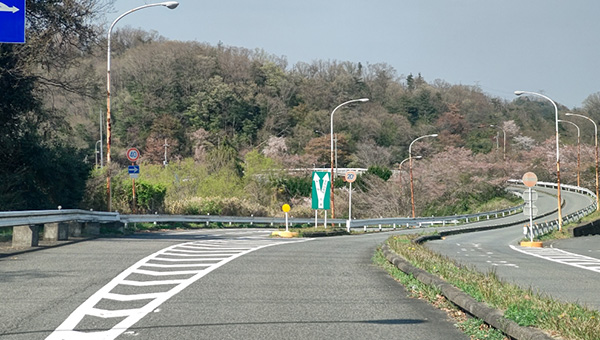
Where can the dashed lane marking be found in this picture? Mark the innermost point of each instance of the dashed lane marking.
(188, 262)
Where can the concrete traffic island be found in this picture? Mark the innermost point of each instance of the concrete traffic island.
(285, 234)
(533, 244)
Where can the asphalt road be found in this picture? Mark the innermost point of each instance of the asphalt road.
(568, 271)
(249, 287)
(241, 284)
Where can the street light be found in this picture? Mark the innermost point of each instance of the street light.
(596, 142)
(578, 145)
(334, 147)
(503, 141)
(169, 5)
(400, 170)
(518, 93)
(331, 135)
(412, 194)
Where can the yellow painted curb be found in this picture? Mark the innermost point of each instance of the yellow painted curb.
(286, 234)
(532, 244)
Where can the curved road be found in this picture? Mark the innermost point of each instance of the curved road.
(230, 284)
(211, 284)
(568, 271)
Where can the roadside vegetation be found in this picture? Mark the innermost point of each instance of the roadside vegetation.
(231, 123)
(524, 306)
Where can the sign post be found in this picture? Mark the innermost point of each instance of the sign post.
(530, 180)
(12, 21)
(286, 209)
(133, 155)
(350, 177)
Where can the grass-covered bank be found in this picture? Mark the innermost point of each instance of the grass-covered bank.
(525, 307)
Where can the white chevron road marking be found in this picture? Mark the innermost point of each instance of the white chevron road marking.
(146, 273)
(561, 256)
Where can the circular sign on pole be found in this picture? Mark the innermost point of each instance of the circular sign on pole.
(529, 179)
(350, 176)
(133, 154)
(285, 208)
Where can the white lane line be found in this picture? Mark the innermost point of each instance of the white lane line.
(561, 256)
(66, 331)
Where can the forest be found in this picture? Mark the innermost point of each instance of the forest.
(220, 127)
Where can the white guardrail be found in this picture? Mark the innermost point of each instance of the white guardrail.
(546, 227)
(38, 217)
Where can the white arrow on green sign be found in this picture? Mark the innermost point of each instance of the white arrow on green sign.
(321, 191)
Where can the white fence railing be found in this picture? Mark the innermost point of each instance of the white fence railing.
(548, 226)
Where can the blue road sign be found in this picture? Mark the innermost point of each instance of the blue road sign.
(134, 171)
(12, 21)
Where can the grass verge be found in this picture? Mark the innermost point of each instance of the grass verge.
(473, 327)
(567, 320)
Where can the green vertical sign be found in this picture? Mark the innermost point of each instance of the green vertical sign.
(321, 190)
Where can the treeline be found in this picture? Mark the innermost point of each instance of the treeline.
(213, 105)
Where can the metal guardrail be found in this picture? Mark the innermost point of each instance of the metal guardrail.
(18, 218)
(547, 227)
(33, 217)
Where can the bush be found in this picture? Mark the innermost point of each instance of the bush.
(381, 172)
(150, 197)
(231, 206)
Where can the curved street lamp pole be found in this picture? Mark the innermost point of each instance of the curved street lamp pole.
(332, 157)
(503, 141)
(596, 143)
(412, 194)
(578, 146)
(168, 4)
(400, 170)
(518, 93)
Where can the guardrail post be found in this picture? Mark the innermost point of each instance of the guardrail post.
(58, 231)
(25, 236)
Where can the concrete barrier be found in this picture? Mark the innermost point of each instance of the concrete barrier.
(591, 228)
(91, 228)
(56, 231)
(25, 236)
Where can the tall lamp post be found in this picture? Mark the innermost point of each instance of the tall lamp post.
(412, 193)
(596, 142)
(332, 157)
(400, 170)
(578, 146)
(518, 93)
(168, 4)
(503, 141)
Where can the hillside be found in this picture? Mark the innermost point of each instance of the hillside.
(218, 106)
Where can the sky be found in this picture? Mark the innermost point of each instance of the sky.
(544, 46)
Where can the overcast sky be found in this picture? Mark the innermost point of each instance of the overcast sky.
(547, 46)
